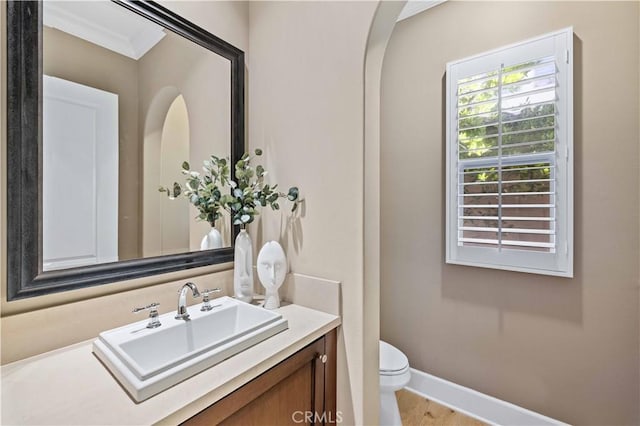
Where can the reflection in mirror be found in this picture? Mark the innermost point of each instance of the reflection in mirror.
(125, 103)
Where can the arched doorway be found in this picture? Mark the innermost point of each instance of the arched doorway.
(166, 146)
(381, 28)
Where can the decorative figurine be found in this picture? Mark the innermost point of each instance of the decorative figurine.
(272, 269)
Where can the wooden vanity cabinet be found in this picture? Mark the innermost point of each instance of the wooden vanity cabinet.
(299, 390)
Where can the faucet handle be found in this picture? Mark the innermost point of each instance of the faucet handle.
(205, 293)
(206, 305)
(153, 314)
(151, 307)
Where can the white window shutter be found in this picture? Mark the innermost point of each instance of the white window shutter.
(509, 178)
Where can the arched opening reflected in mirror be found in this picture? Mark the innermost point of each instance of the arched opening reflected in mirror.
(174, 145)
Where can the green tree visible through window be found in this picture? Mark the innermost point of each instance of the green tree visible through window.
(516, 105)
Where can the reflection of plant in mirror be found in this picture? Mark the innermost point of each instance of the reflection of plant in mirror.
(249, 192)
(202, 190)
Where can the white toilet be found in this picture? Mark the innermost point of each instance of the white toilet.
(394, 375)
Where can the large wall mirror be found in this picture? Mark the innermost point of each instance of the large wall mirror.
(105, 101)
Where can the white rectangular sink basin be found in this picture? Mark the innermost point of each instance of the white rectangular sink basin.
(147, 361)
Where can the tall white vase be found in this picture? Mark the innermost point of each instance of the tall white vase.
(213, 240)
(243, 268)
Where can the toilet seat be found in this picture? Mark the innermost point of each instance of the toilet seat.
(395, 372)
(392, 361)
(394, 375)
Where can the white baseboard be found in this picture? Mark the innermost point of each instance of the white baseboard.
(473, 403)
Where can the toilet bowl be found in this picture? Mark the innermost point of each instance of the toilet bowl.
(394, 375)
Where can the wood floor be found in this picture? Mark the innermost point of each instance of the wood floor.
(418, 411)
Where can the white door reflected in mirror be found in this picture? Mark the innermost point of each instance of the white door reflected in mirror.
(80, 175)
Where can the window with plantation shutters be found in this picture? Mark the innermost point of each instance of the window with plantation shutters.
(509, 157)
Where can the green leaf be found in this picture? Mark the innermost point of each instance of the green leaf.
(185, 166)
(245, 218)
(258, 151)
(177, 189)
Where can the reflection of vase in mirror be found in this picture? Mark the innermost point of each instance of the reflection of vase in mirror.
(211, 241)
(272, 268)
(157, 75)
(243, 268)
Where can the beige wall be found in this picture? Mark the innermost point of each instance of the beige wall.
(77, 60)
(40, 324)
(305, 96)
(306, 70)
(567, 348)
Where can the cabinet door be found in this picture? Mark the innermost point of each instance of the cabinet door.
(299, 390)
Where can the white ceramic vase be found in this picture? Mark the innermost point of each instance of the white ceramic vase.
(243, 268)
(212, 240)
(272, 269)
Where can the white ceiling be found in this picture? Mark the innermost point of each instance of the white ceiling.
(104, 23)
(414, 7)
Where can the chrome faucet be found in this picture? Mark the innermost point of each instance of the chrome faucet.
(182, 300)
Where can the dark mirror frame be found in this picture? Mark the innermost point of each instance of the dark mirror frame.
(24, 157)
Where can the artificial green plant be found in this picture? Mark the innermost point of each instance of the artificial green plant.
(203, 190)
(249, 192)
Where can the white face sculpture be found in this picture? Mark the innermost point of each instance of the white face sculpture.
(272, 265)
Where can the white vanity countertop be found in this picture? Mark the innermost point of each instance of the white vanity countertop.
(69, 386)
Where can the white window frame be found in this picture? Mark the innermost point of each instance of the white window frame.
(559, 262)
